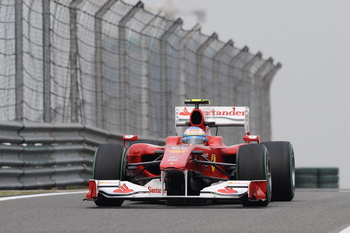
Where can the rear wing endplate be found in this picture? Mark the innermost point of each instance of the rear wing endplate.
(215, 116)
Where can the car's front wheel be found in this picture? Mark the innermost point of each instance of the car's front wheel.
(108, 165)
(253, 164)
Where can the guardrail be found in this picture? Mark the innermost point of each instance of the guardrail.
(44, 156)
(34, 155)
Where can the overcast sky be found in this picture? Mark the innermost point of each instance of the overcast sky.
(310, 93)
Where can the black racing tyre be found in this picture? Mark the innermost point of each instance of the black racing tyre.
(306, 185)
(328, 179)
(306, 181)
(109, 165)
(253, 164)
(300, 179)
(282, 169)
(328, 171)
(103, 201)
(306, 171)
(328, 186)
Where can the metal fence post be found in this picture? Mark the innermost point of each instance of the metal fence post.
(199, 55)
(266, 100)
(261, 72)
(98, 61)
(144, 78)
(74, 59)
(216, 64)
(164, 69)
(235, 80)
(249, 91)
(19, 59)
(122, 65)
(183, 47)
(248, 82)
(46, 60)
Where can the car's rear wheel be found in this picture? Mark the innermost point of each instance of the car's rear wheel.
(283, 170)
(253, 164)
(109, 165)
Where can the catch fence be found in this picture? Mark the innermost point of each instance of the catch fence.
(118, 67)
(72, 70)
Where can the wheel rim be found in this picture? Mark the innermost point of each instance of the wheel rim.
(93, 164)
(268, 176)
(269, 180)
(292, 162)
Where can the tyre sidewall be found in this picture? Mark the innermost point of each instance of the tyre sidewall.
(253, 164)
(283, 170)
(109, 162)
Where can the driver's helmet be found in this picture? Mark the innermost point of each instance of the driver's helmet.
(194, 136)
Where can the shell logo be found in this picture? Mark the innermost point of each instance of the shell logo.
(123, 189)
(227, 190)
(185, 112)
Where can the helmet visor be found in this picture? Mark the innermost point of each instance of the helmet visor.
(194, 140)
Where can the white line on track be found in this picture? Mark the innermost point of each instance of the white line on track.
(37, 195)
(346, 230)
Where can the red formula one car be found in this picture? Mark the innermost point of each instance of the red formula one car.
(195, 165)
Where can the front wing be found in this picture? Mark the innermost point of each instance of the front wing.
(224, 190)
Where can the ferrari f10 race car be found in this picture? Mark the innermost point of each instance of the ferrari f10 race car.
(195, 166)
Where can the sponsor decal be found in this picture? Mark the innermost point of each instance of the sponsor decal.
(185, 112)
(123, 189)
(176, 151)
(128, 136)
(227, 190)
(238, 183)
(108, 183)
(233, 112)
(173, 158)
(213, 159)
(154, 190)
(224, 113)
(191, 131)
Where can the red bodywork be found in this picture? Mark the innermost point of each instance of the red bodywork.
(178, 170)
(179, 156)
(182, 157)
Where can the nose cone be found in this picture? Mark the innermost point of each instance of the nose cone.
(176, 157)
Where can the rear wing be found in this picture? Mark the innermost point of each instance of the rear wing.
(216, 116)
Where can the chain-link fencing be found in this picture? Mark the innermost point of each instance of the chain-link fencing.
(117, 67)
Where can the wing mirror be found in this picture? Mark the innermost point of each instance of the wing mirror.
(251, 138)
(129, 138)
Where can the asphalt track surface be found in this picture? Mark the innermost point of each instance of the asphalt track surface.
(310, 211)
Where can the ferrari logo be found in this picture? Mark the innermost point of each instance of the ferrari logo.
(213, 159)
